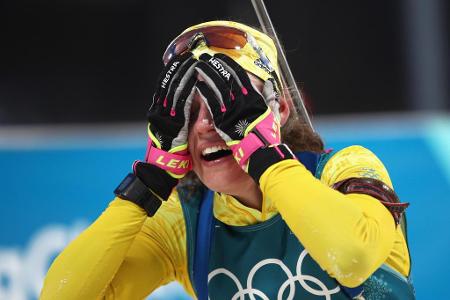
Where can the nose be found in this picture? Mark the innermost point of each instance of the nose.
(204, 122)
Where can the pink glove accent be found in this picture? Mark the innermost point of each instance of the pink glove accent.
(270, 130)
(266, 133)
(178, 164)
(245, 148)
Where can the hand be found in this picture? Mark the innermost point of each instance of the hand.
(168, 117)
(166, 158)
(241, 113)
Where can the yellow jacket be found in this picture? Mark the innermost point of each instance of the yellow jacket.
(126, 255)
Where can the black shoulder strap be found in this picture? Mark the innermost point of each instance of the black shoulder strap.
(309, 159)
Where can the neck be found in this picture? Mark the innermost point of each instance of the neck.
(250, 195)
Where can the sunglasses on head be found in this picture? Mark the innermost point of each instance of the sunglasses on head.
(214, 36)
(223, 37)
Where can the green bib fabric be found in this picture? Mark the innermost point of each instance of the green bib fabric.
(267, 261)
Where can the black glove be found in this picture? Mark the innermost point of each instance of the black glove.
(168, 117)
(166, 158)
(242, 115)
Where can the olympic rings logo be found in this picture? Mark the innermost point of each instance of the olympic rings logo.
(290, 282)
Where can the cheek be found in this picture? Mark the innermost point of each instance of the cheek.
(191, 142)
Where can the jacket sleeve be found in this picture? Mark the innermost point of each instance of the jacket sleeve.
(119, 256)
(349, 236)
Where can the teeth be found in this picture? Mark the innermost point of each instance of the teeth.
(213, 149)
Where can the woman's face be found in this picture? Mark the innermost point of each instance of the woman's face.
(222, 174)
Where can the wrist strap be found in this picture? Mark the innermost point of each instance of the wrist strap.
(265, 134)
(133, 189)
(263, 158)
(175, 163)
(246, 147)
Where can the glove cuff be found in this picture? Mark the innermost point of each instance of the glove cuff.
(263, 158)
(176, 164)
(245, 148)
(147, 187)
(155, 178)
(134, 190)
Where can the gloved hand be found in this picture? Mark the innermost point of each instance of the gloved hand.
(169, 117)
(241, 113)
(166, 159)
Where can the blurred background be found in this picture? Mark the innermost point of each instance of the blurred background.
(76, 79)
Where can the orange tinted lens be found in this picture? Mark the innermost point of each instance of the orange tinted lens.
(225, 37)
(216, 36)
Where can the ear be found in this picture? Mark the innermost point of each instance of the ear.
(284, 110)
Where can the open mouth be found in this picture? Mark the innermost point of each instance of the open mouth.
(215, 152)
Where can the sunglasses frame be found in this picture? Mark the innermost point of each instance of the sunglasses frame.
(187, 37)
(189, 40)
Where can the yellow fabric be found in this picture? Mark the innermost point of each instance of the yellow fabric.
(125, 255)
(122, 255)
(242, 215)
(362, 234)
(357, 161)
(245, 56)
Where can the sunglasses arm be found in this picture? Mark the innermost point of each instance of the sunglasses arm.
(286, 74)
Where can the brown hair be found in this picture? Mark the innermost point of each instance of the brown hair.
(300, 137)
(296, 133)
